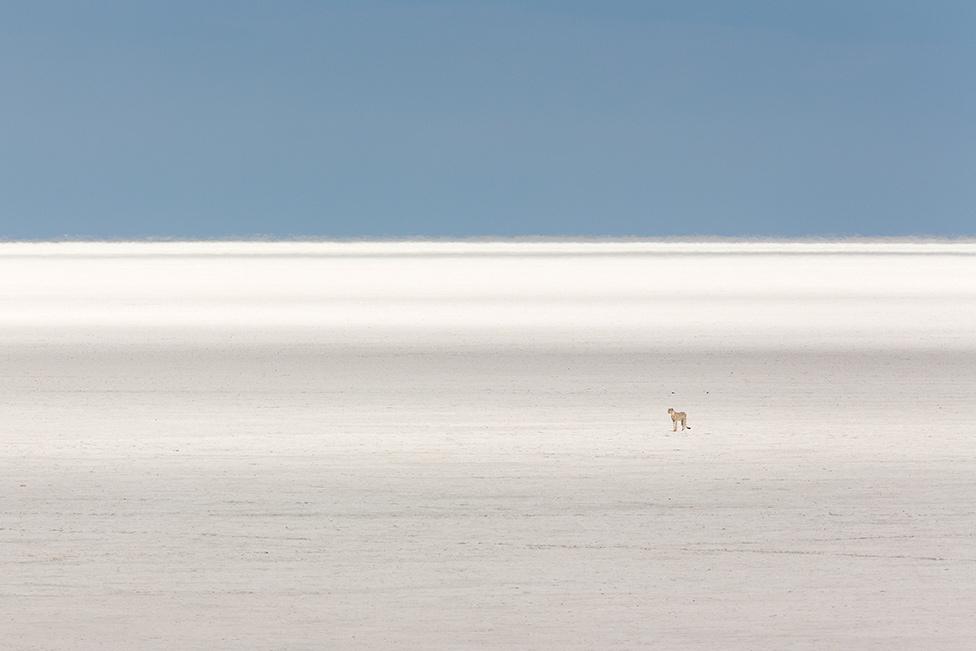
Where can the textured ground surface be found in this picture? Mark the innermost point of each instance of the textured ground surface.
(425, 474)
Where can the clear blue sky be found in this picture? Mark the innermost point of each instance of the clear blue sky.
(557, 117)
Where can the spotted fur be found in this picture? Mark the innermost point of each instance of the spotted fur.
(679, 417)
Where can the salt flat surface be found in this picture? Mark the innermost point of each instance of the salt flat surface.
(436, 445)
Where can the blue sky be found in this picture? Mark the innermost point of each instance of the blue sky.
(402, 119)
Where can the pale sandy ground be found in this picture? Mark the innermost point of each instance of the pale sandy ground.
(392, 446)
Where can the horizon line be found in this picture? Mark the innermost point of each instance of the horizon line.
(479, 247)
(502, 239)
